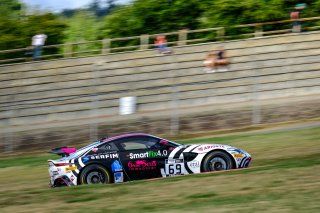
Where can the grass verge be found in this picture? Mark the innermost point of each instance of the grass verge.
(284, 177)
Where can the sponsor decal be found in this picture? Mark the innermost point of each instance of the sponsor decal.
(104, 156)
(174, 167)
(116, 166)
(235, 150)
(172, 161)
(95, 149)
(238, 155)
(85, 159)
(141, 165)
(149, 154)
(203, 148)
(71, 168)
(118, 177)
(194, 164)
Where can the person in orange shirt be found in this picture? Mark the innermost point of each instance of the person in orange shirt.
(161, 43)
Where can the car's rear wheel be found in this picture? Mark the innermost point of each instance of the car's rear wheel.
(217, 161)
(94, 174)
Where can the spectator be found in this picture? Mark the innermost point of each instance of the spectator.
(295, 16)
(209, 62)
(37, 43)
(216, 61)
(161, 43)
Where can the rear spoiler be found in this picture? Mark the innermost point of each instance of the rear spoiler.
(63, 151)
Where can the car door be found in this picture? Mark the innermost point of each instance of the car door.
(142, 157)
(108, 155)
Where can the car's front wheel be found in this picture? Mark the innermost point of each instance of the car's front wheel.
(94, 174)
(217, 161)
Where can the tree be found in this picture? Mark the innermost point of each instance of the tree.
(10, 27)
(152, 16)
(233, 12)
(101, 8)
(9, 34)
(68, 13)
(83, 26)
(17, 31)
(11, 9)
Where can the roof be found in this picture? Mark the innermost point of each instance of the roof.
(124, 136)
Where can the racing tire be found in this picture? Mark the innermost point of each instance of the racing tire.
(217, 161)
(94, 174)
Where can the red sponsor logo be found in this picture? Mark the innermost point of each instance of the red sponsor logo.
(141, 165)
(203, 148)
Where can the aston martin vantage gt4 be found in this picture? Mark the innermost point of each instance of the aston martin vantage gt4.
(139, 156)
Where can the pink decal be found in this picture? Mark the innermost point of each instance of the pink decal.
(164, 142)
(69, 150)
(140, 165)
(203, 148)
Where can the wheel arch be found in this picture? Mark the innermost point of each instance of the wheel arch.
(233, 161)
(111, 180)
(59, 182)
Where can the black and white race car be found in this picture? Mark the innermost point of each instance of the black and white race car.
(139, 156)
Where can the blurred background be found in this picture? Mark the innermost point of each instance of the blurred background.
(99, 72)
(75, 71)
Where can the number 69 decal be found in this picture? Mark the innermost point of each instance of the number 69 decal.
(174, 167)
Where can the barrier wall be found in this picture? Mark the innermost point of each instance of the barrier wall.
(76, 91)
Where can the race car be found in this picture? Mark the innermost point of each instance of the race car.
(139, 156)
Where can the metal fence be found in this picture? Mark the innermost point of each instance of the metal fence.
(143, 42)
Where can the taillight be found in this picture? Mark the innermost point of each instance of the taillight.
(62, 164)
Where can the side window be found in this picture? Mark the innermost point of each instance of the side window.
(108, 146)
(132, 143)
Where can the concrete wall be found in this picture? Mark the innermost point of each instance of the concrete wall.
(87, 90)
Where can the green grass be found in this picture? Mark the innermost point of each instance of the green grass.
(284, 177)
(28, 161)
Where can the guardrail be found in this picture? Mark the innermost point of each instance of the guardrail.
(142, 42)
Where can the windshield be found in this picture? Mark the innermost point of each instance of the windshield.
(174, 143)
